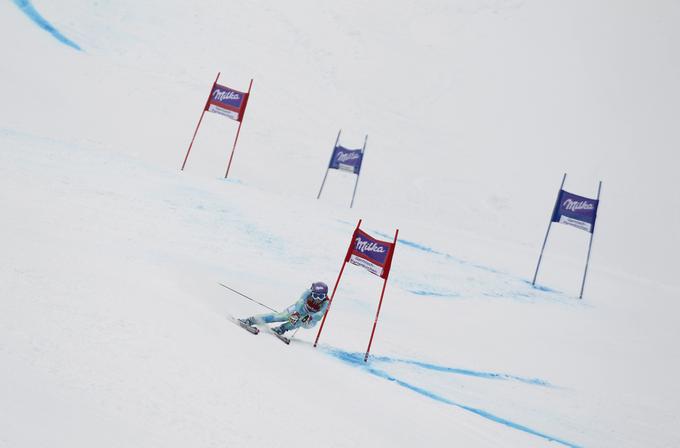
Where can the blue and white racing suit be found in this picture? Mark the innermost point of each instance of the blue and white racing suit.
(306, 312)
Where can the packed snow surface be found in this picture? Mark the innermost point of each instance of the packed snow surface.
(115, 330)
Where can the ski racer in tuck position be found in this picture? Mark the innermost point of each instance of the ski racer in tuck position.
(306, 312)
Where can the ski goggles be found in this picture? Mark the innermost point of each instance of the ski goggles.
(318, 295)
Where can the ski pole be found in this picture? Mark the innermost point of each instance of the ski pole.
(249, 298)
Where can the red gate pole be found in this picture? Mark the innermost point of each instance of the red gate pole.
(330, 301)
(375, 322)
(199, 122)
(238, 131)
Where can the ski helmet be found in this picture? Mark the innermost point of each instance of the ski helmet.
(319, 290)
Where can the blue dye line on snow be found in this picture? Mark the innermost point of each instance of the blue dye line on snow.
(27, 8)
(419, 247)
(539, 287)
(432, 251)
(421, 292)
(467, 372)
(480, 412)
(357, 360)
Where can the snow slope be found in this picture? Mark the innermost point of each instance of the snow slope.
(114, 330)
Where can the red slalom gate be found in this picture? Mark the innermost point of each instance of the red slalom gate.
(227, 102)
(373, 255)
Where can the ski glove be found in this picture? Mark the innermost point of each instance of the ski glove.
(294, 317)
(307, 321)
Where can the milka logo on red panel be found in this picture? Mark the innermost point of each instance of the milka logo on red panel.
(225, 95)
(370, 248)
(227, 102)
(371, 254)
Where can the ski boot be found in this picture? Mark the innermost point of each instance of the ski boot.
(248, 325)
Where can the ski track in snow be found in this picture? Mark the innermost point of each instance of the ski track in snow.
(423, 292)
(467, 372)
(357, 360)
(507, 285)
(27, 8)
(451, 277)
(262, 237)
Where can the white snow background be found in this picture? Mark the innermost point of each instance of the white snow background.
(114, 331)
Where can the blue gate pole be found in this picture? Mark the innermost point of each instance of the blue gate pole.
(329, 165)
(356, 183)
(590, 245)
(545, 240)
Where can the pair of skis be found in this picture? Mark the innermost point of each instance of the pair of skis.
(254, 330)
(249, 328)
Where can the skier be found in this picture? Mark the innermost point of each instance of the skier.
(306, 312)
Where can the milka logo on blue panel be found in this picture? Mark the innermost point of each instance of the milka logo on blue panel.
(347, 156)
(346, 159)
(575, 210)
(575, 206)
